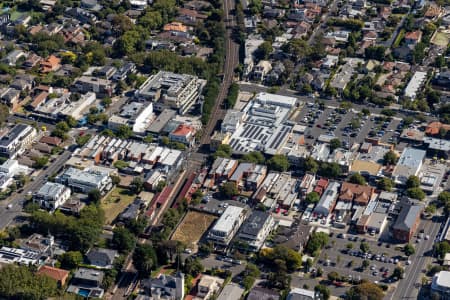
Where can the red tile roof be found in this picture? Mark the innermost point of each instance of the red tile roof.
(183, 130)
(59, 275)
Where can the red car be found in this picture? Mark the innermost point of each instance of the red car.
(277, 210)
(338, 283)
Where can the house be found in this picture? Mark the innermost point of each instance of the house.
(259, 293)
(261, 70)
(106, 72)
(208, 285)
(50, 64)
(184, 134)
(321, 185)
(409, 163)
(255, 230)
(123, 72)
(101, 257)
(13, 57)
(175, 26)
(443, 78)
(51, 195)
(413, 38)
(10, 97)
(328, 200)
(164, 287)
(4, 19)
(59, 275)
(32, 60)
(407, 222)
(356, 193)
(227, 225)
(307, 184)
(10, 255)
(87, 282)
(51, 140)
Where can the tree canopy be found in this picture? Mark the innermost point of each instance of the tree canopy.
(365, 290)
(278, 163)
(19, 282)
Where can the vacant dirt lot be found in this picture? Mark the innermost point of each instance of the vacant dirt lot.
(191, 229)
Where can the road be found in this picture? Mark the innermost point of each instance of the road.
(231, 61)
(7, 216)
(406, 288)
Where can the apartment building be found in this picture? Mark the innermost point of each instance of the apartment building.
(227, 225)
(85, 180)
(52, 195)
(15, 141)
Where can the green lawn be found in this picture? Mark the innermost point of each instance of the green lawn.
(115, 203)
(15, 15)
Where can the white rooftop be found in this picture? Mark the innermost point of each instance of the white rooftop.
(228, 219)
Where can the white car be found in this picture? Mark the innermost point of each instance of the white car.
(9, 206)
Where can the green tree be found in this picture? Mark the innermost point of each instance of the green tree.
(192, 266)
(365, 264)
(357, 179)
(390, 158)
(364, 246)
(441, 249)
(409, 250)
(323, 291)
(431, 209)
(71, 122)
(229, 189)
(310, 165)
(144, 259)
(334, 144)
(263, 51)
(71, 260)
(94, 196)
(385, 184)
(412, 182)
(106, 102)
(398, 272)
(255, 157)
(223, 150)
(278, 163)
(40, 162)
(63, 126)
(415, 193)
(333, 276)
(120, 164)
(317, 241)
(312, 197)
(330, 170)
(137, 185)
(124, 132)
(365, 290)
(19, 282)
(123, 240)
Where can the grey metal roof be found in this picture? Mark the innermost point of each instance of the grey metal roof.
(254, 223)
(407, 217)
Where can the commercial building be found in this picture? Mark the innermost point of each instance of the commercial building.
(100, 86)
(441, 284)
(255, 230)
(137, 115)
(415, 83)
(227, 225)
(63, 106)
(170, 90)
(85, 180)
(15, 141)
(328, 200)
(408, 164)
(302, 294)
(407, 222)
(184, 134)
(52, 195)
(265, 127)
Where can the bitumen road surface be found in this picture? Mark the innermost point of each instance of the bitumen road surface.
(15, 202)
